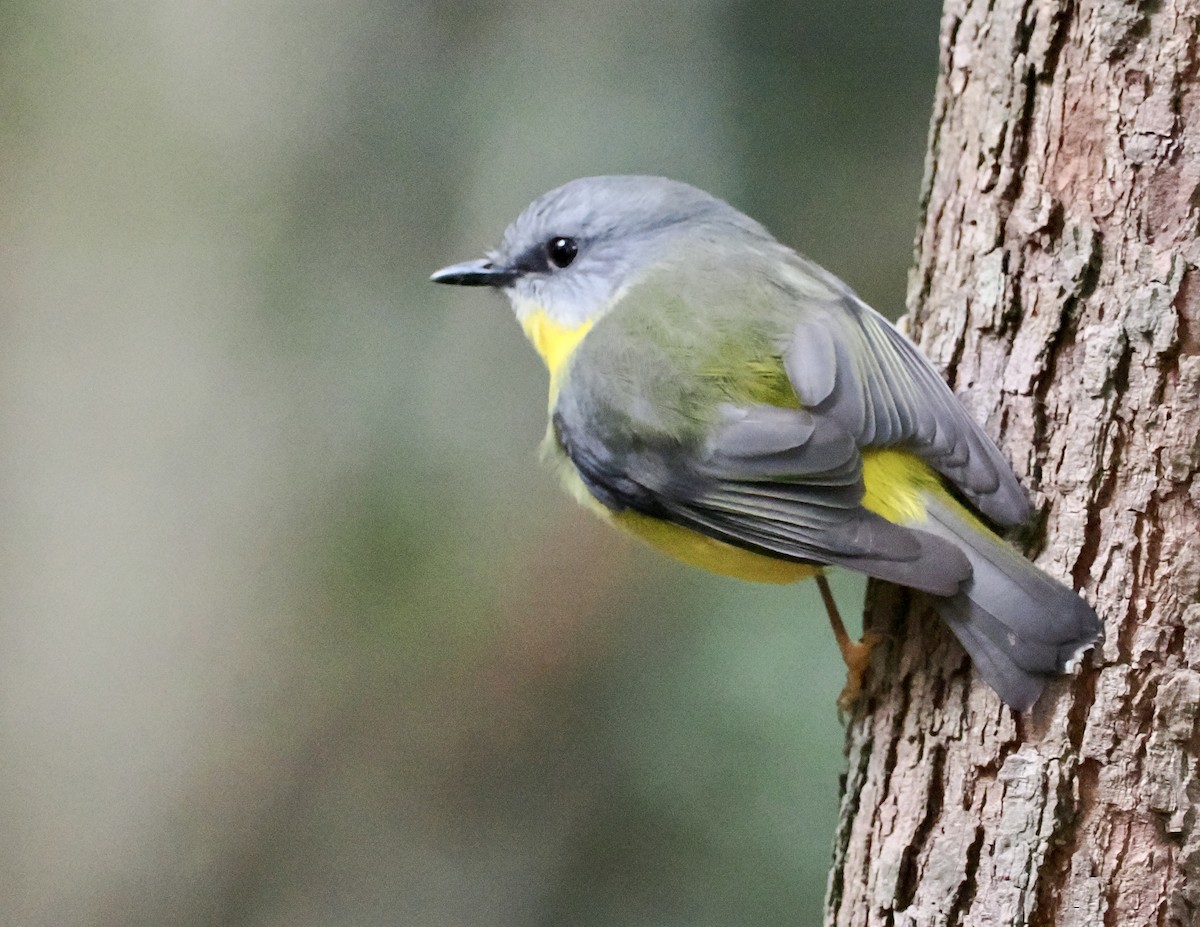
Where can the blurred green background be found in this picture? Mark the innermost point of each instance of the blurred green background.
(295, 630)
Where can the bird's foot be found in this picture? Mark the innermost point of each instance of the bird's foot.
(857, 656)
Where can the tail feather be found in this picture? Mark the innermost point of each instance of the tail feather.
(1018, 688)
(1019, 626)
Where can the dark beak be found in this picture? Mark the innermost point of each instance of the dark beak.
(475, 273)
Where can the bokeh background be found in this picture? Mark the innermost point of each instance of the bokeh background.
(294, 629)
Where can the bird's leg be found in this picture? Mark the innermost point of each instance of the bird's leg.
(856, 654)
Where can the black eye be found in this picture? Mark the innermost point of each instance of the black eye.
(561, 251)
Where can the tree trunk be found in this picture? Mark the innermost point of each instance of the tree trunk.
(1056, 286)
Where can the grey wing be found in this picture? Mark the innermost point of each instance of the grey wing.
(781, 482)
(847, 362)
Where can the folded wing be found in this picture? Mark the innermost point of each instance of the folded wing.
(848, 363)
(782, 482)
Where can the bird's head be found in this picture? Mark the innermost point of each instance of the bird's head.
(575, 250)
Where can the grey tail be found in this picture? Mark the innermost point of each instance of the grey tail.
(1019, 626)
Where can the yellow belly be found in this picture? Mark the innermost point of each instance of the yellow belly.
(716, 556)
(681, 543)
(896, 482)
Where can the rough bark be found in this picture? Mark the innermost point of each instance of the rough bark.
(1057, 287)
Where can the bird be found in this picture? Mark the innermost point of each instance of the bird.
(740, 408)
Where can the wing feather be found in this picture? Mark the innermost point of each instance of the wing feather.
(799, 499)
(886, 394)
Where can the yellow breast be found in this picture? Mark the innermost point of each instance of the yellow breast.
(554, 342)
